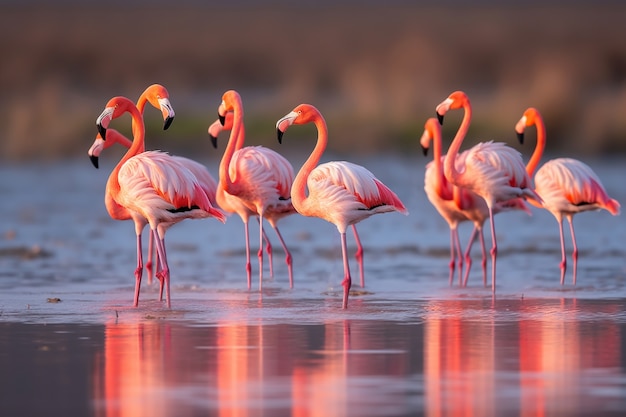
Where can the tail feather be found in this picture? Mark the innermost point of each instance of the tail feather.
(390, 198)
(613, 207)
(201, 199)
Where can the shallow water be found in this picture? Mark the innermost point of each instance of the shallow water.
(409, 344)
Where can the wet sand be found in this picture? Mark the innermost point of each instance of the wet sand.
(71, 344)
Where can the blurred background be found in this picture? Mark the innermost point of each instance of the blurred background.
(375, 69)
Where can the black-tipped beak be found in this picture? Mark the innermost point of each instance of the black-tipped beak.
(520, 138)
(279, 133)
(213, 141)
(168, 121)
(440, 118)
(94, 160)
(102, 130)
(424, 150)
(222, 118)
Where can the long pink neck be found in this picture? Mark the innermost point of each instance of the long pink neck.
(449, 165)
(541, 144)
(440, 180)
(298, 189)
(136, 148)
(235, 142)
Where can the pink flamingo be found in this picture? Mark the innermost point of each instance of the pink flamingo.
(566, 186)
(341, 192)
(253, 181)
(204, 177)
(457, 205)
(152, 186)
(214, 130)
(492, 170)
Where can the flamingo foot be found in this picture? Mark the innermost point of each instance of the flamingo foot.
(138, 273)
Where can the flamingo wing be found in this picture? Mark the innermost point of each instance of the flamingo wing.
(265, 172)
(569, 185)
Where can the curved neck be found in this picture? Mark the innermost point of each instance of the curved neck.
(449, 168)
(541, 144)
(298, 189)
(136, 147)
(235, 142)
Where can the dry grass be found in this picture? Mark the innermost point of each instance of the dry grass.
(376, 70)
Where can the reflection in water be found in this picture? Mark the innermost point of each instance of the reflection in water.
(461, 358)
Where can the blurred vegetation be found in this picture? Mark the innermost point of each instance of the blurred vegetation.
(375, 69)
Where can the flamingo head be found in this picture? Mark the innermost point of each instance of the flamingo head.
(218, 126)
(431, 129)
(456, 100)
(113, 109)
(230, 100)
(159, 98)
(530, 117)
(100, 144)
(94, 151)
(302, 114)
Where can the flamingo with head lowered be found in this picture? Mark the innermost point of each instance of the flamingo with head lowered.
(152, 186)
(493, 170)
(567, 186)
(340, 192)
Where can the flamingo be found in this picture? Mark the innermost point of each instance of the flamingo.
(339, 192)
(214, 130)
(152, 186)
(492, 170)
(253, 181)
(567, 186)
(457, 205)
(206, 180)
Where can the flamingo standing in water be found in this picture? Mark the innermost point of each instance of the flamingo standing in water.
(253, 181)
(457, 205)
(340, 192)
(492, 170)
(152, 186)
(566, 186)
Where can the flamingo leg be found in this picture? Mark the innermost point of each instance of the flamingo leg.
(347, 279)
(457, 245)
(575, 250)
(359, 255)
(150, 264)
(248, 264)
(165, 270)
(494, 250)
(288, 259)
(468, 258)
(138, 271)
(158, 266)
(563, 264)
(483, 249)
(260, 253)
(268, 249)
(452, 258)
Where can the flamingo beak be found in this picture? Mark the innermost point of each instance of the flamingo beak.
(168, 112)
(424, 150)
(279, 133)
(440, 118)
(103, 121)
(520, 137)
(283, 123)
(221, 118)
(94, 160)
(168, 121)
(213, 141)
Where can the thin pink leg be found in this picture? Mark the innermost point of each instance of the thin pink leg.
(347, 279)
(359, 255)
(138, 271)
(260, 253)
(452, 258)
(288, 259)
(158, 265)
(268, 249)
(483, 263)
(457, 245)
(563, 264)
(248, 264)
(575, 251)
(468, 257)
(494, 251)
(165, 270)
(149, 263)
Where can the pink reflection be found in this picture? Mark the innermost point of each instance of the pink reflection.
(459, 363)
(554, 349)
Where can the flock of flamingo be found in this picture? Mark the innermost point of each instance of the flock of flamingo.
(158, 189)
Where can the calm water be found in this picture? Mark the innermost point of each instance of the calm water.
(408, 345)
